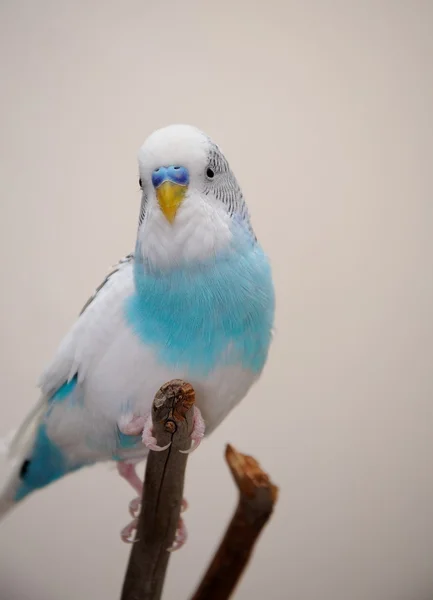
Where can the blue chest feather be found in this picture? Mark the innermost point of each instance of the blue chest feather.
(193, 314)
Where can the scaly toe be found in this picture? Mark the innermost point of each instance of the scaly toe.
(148, 439)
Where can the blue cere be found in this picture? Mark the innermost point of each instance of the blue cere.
(173, 173)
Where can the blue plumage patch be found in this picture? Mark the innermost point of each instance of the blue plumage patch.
(46, 464)
(64, 391)
(193, 313)
(126, 442)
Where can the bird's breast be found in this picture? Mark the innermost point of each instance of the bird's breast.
(206, 315)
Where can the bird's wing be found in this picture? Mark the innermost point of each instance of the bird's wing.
(88, 337)
(81, 347)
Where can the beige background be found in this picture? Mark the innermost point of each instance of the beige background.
(325, 112)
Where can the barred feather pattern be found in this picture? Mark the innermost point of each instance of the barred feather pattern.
(225, 187)
(142, 209)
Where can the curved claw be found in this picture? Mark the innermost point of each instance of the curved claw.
(194, 445)
(152, 445)
(134, 507)
(197, 431)
(127, 532)
(148, 439)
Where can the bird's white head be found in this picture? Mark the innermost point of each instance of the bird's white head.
(191, 201)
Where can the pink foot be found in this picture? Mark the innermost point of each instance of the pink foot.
(197, 431)
(148, 440)
(180, 537)
(128, 472)
(131, 425)
(134, 426)
(126, 533)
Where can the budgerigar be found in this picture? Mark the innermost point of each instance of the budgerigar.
(195, 301)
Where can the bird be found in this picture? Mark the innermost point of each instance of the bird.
(195, 300)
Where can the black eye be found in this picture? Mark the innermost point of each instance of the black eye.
(210, 173)
(139, 183)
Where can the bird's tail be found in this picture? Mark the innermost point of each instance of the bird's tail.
(15, 450)
(5, 471)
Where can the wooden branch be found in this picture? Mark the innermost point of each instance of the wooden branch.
(257, 497)
(172, 414)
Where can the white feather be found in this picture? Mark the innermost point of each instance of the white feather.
(94, 328)
(174, 145)
(201, 230)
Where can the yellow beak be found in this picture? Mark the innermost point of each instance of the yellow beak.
(170, 196)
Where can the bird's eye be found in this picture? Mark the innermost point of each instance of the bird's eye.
(140, 184)
(210, 173)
